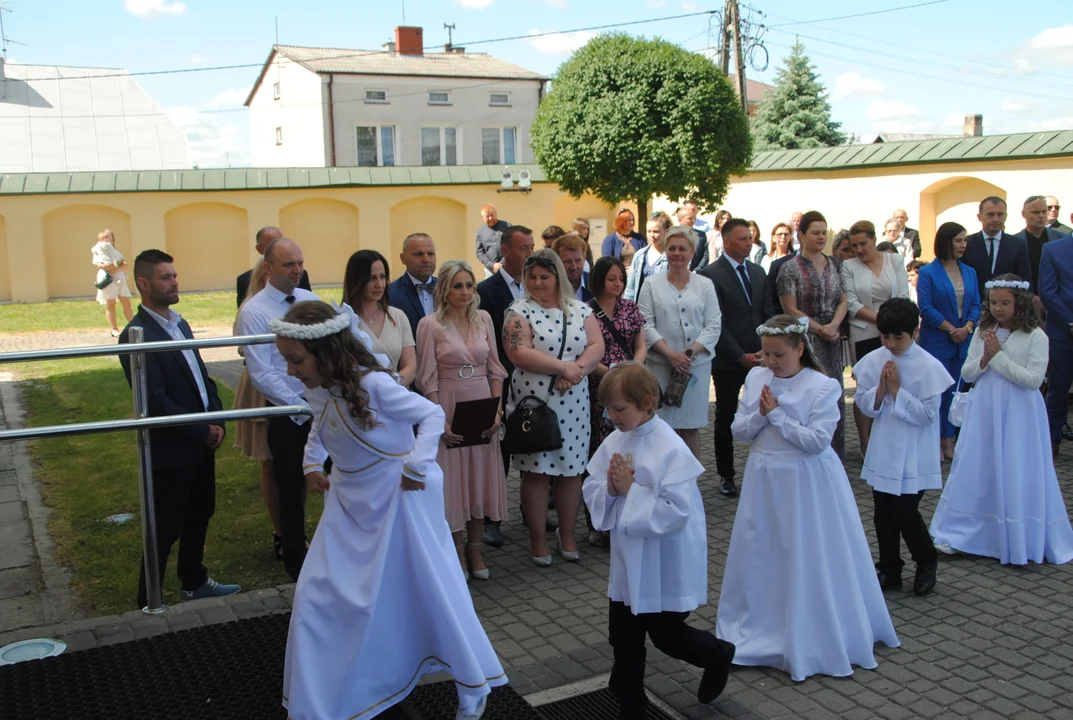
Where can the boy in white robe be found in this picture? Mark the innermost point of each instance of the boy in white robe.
(900, 385)
(642, 487)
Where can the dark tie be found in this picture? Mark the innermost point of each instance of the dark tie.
(745, 281)
(289, 299)
(991, 256)
(424, 288)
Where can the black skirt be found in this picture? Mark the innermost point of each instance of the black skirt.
(863, 347)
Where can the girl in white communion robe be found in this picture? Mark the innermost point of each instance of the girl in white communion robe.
(382, 599)
(799, 591)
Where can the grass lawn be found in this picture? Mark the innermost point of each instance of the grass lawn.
(88, 478)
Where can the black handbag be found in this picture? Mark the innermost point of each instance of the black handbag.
(533, 426)
(105, 281)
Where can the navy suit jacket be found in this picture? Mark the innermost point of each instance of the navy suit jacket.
(403, 295)
(496, 297)
(1056, 287)
(1012, 258)
(172, 391)
(937, 302)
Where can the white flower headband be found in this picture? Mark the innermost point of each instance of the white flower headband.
(1007, 284)
(331, 326)
(795, 329)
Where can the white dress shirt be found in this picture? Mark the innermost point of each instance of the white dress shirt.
(171, 327)
(734, 264)
(267, 368)
(425, 298)
(513, 285)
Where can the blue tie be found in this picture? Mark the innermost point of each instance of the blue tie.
(745, 281)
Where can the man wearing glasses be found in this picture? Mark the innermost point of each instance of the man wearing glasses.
(1053, 208)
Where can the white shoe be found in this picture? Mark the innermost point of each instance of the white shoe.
(945, 549)
(461, 715)
(568, 555)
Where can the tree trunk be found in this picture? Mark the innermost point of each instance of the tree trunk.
(642, 214)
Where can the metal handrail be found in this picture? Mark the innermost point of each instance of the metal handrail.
(141, 423)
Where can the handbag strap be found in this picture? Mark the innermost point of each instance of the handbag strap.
(961, 377)
(562, 348)
(611, 329)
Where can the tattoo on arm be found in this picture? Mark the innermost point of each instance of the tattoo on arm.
(512, 331)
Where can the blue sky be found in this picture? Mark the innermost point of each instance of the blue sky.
(914, 70)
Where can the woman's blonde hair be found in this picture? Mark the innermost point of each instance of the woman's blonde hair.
(543, 258)
(106, 233)
(444, 278)
(634, 382)
(781, 322)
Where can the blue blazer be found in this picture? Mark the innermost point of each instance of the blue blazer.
(937, 301)
(1056, 287)
(403, 295)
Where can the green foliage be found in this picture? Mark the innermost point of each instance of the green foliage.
(629, 118)
(796, 114)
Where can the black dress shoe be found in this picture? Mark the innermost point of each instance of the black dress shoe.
(924, 582)
(728, 487)
(714, 680)
(888, 582)
(492, 535)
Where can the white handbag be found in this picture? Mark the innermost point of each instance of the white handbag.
(959, 405)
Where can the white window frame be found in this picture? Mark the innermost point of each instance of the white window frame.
(502, 145)
(275, 91)
(493, 103)
(379, 127)
(376, 101)
(439, 102)
(279, 135)
(443, 144)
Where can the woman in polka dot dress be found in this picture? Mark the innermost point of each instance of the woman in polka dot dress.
(532, 335)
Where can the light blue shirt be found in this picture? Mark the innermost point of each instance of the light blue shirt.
(171, 327)
(425, 298)
(735, 264)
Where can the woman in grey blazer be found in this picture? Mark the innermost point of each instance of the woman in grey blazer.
(870, 278)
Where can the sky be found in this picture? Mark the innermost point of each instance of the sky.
(915, 69)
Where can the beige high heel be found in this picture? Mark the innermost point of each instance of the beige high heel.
(483, 573)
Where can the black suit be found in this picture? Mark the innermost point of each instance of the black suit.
(242, 285)
(1012, 258)
(741, 316)
(1062, 229)
(184, 467)
(496, 297)
(913, 236)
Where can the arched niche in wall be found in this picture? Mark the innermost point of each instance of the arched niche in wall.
(208, 241)
(442, 219)
(598, 214)
(327, 230)
(69, 235)
(953, 199)
(5, 268)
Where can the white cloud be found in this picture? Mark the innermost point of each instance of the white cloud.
(1055, 45)
(954, 120)
(1019, 106)
(882, 110)
(560, 43)
(689, 5)
(230, 98)
(561, 4)
(215, 140)
(154, 8)
(196, 59)
(656, 3)
(475, 4)
(853, 84)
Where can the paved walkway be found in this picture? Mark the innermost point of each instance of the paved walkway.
(993, 641)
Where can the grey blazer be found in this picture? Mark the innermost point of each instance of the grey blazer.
(740, 317)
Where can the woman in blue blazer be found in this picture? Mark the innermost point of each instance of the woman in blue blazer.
(949, 302)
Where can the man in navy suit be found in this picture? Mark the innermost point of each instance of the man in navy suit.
(1036, 234)
(571, 250)
(184, 456)
(993, 252)
(1056, 293)
(412, 292)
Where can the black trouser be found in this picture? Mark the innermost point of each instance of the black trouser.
(669, 632)
(287, 441)
(183, 501)
(897, 516)
(728, 383)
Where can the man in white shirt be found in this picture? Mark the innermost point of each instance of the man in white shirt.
(268, 372)
(795, 223)
(184, 456)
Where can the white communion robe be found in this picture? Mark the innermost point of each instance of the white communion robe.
(659, 546)
(905, 457)
(799, 592)
(382, 599)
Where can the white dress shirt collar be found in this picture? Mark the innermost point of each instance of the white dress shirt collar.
(513, 285)
(170, 324)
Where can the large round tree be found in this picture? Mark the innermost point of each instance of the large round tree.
(629, 118)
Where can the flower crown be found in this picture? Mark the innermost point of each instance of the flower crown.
(331, 326)
(795, 329)
(1007, 284)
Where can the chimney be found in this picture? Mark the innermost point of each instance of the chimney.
(408, 40)
(448, 48)
(974, 126)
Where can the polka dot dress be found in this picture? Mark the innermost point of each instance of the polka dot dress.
(572, 408)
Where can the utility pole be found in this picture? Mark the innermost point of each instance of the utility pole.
(724, 39)
(739, 53)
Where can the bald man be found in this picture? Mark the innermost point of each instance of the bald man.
(264, 236)
(1053, 208)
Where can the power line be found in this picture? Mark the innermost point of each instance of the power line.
(864, 14)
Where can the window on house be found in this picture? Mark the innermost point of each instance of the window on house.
(439, 97)
(499, 98)
(498, 146)
(376, 96)
(439, 146)
(279, 136)
(275, 91)
(376, 146)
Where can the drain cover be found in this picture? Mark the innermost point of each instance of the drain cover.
(31, 650)
(598, 705)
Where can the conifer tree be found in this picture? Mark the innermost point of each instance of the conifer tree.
(796, 113)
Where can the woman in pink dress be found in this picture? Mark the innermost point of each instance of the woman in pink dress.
(457, 361)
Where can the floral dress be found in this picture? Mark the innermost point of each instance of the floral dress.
(630, 323)
(818, 295)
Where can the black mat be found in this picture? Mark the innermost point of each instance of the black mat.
(230, 671)
(598, 705)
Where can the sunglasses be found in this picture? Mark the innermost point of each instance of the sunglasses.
(1054, 207)
(546, 263)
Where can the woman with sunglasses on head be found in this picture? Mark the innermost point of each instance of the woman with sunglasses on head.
(554, 341)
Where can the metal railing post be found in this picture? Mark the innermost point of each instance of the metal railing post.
(139, 383)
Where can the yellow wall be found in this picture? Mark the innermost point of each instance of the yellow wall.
(211, 233)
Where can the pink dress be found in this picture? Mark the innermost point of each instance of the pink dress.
(474, 485)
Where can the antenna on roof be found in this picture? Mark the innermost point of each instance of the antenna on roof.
(450, 37)
(403, 2)
(4, 39)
